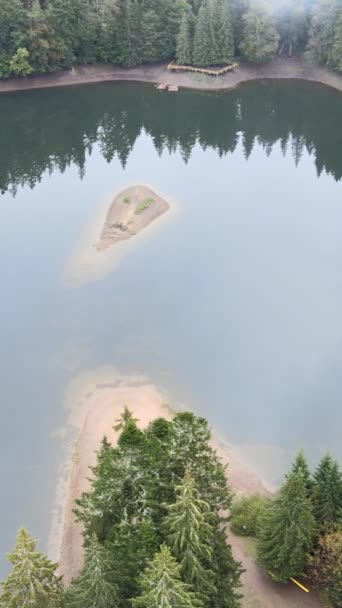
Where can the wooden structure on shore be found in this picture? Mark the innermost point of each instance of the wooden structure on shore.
(209, 71)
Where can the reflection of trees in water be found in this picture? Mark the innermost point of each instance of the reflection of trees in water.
(54, 129)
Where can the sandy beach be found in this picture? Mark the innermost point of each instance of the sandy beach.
(281, 67)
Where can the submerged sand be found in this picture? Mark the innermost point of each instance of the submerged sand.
(118, 224)
(131, 211)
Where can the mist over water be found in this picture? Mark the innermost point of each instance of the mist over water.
(233, 307)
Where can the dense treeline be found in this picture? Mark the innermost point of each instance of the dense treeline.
(114, 120)
(299, 532)
(154, 528)
(38, 36)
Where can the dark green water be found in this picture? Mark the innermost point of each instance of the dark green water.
(234, 307)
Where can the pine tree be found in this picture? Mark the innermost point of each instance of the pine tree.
(321, 33)
(203, 52)
(227, 573)
(336, 54)
(161, 585)
(327, 493)
(260, 38)
(96, 584)
(300, 465)
(190, 449)
(184, 40)
(223, 32)
(189, 535)
(287, 530)
(33, 582)
(124, 419)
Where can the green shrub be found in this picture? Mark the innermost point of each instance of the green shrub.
(246, 513)
(127, 200)
(144, 205)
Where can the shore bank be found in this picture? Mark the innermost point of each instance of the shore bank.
(95, 400)
(280, 68)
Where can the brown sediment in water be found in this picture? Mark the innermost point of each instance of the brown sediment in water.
(131, 211)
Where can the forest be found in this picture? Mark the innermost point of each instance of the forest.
(39, 36)
(156, 534)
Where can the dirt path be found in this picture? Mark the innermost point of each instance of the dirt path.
(260, 591)
(279, 68)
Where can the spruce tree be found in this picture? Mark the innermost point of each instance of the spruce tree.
(124, 419)
(161, 585)
(184, 40)
(189, 535)
(33, 582)
(227, 573)
(96, 586)
(321, 33)
(327, 493)
(336, 54)
(287, 530)
(203, 52)
(300, 465)
(260, 38)
(223, 31)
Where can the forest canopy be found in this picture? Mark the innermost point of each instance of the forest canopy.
(39, 36)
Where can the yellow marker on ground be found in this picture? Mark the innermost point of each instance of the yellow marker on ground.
(299, 584)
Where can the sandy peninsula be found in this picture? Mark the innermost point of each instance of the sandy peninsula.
(94, 400)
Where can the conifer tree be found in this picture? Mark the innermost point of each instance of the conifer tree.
(33, 582)
(203, 52)
(96, 584)
(260, 38)
(300, 465)
(327, 493)
(321, 34)
(184, 40)
(189, 535)
(223, 32)
(190, 449)
(287, 530)
(124, 419)
(161, 585)
(336, 55)
(227, 573)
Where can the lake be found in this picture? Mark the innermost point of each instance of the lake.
(233, 306)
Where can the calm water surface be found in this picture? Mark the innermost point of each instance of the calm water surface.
(234, 307)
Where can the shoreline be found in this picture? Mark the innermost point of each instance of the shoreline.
(95, 400)
(281, 68)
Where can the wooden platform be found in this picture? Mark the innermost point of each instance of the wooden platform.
(209, 71)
